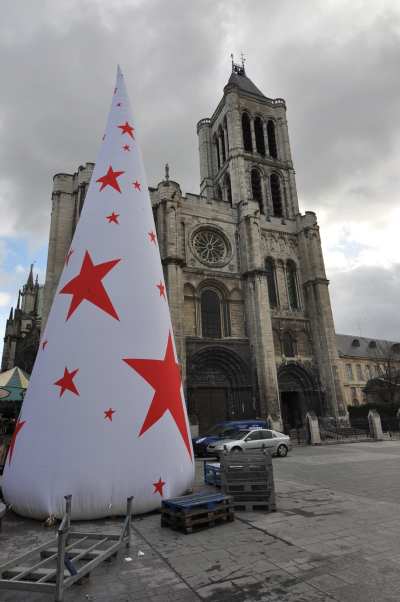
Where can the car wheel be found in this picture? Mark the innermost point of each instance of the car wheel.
(236, 450)
(282, 451)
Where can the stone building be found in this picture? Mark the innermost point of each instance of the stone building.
(244, 269)
(22, 335)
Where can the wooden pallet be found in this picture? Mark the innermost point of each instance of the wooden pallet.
(57, 564)
(249, 480)
(188, 513)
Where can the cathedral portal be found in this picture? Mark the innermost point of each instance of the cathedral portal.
(298, 394)
(219, 387)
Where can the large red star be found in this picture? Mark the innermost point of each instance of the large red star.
(110, 179)
(126, 128)
(18, 427)
(113, 218)
(165, 378)
(87, 285)
(109, 414)
(136, 185)
(152, 237)
(158, 486)
(161, 288)
(66, 383)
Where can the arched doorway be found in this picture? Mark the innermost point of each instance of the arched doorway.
(299, 394)
(219, 387)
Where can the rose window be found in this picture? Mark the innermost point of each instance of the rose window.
(210, 247)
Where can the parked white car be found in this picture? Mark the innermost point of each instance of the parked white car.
(277, 443)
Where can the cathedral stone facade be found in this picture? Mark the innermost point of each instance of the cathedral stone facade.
(244, 270)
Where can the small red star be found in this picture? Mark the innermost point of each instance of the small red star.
(126, 128)
(161, 288)
(109, 414)
(164, 376)
(88, 286)
(110, 179)
(68, 256)
(126, 147)
(152, 237)
(113, 218)
(18, 427)
(158, 487)
(119, 104)
(66, 383)
(136, 185)
(44, 344)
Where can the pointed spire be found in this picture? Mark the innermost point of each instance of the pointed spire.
(11, 314)
(29, 282)
(37, 281)
(19, 300)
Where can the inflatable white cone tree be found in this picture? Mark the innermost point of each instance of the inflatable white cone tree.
(104, 415)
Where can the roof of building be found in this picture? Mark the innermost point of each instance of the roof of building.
(353, 346)
(244, 83)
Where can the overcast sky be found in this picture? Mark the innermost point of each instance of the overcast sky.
(335, 62)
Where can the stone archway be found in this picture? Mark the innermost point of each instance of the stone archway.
(219, 387)
(298, 393)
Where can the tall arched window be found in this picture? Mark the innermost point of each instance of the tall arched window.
(228, 188)
(271, 139)
(227, 137)
(256, 188)
(259, 133)
(248, 146)
(271, 282)
(291, 275)
(210, 314)
(276, 195)
(221, 135)
(217, 152)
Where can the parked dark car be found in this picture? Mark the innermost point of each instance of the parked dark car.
(223, 430)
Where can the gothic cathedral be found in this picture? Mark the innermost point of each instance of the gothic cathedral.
(244, 270)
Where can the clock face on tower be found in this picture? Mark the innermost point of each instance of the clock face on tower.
(210, 247)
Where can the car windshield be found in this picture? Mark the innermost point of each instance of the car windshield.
(215, 431)
(231, 434)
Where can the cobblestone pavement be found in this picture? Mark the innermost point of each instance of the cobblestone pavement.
(335, 537)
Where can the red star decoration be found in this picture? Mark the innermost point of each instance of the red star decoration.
(18, 427)
(44, 344)
(158, 487)
(66, 383)
(136, 185)
(164, 376)
(152, 237)
(113, 218)
(109, 414)
(110, 179)
(126, 147)
(161, 288)
(68, 256)
(87, 285)
(126, 128)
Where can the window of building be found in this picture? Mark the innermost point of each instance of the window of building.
(349, 371)
(354, 397)
(211, 314)
(271, 139)
(291, 276)
(228, 188)
(219, 192)
(368, 372)
(276, 195)
(271, 282)
(247, 143)
(259, 134)
(360, 375)
(227, 137)
(217, 153)
(221, 135)
(256, 188)
(288, 345)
